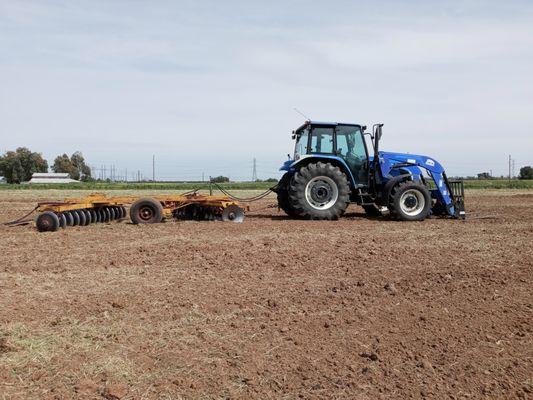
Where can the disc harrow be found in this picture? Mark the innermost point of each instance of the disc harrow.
(98, 208)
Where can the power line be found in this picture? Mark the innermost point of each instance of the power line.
(153, 168)
(254, 171)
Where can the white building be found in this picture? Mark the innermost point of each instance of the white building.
(51, 177)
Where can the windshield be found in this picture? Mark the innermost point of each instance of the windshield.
(302, 137)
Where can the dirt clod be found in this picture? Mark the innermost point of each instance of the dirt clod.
(115, 391)
(4, 347)
(369, 355)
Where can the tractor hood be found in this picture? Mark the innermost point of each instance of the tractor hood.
(389, 160)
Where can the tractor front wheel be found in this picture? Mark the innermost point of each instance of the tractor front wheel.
(319, 191)
(410, 201)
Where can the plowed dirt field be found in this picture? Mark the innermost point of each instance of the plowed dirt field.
(271, 308)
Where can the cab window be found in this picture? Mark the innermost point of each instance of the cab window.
(322, 140)
(301, 143)
(350, 143)
(351, 147)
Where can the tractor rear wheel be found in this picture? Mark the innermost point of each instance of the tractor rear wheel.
(319, 191)
(146, 211)
(283, 195)
(410, 201)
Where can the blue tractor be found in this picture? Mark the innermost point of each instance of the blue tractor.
(332, 167)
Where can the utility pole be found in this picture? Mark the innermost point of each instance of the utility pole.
(203, 177)
(126, 176)
(153, 168)
(509, 169)
(254, 171)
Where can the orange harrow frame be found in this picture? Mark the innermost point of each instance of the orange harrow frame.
(100, 208)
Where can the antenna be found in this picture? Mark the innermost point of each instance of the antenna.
(302, 114)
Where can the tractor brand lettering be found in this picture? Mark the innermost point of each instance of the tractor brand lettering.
(411, 161)
(429, 161)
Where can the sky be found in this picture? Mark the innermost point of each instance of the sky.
(206, 86)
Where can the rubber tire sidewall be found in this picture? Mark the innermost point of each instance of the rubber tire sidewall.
(156, 205)
(283, 195)
(397, 194)
(299, 183)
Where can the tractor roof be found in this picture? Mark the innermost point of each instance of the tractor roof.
(323, 123)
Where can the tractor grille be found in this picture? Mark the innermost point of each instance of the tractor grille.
(457, 188)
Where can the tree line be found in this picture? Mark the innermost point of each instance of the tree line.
(19, 165)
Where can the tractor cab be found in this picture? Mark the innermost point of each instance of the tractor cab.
(335, 141)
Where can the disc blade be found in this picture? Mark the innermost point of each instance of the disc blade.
(233, 213)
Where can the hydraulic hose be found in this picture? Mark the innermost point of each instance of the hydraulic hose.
(248, 199)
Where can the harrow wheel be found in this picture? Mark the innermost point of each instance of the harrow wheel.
(233, 213)
(146, 211)
(62, 220)
(112, 213)
(124, 213)
(94, 216)
(48, 221)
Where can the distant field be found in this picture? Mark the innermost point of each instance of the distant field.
(469, 184)
(142, 186)
(498, 184)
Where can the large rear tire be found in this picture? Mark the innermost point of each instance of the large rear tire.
(146, 211)
(319, 191)
(283, 195)
(410, 201)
